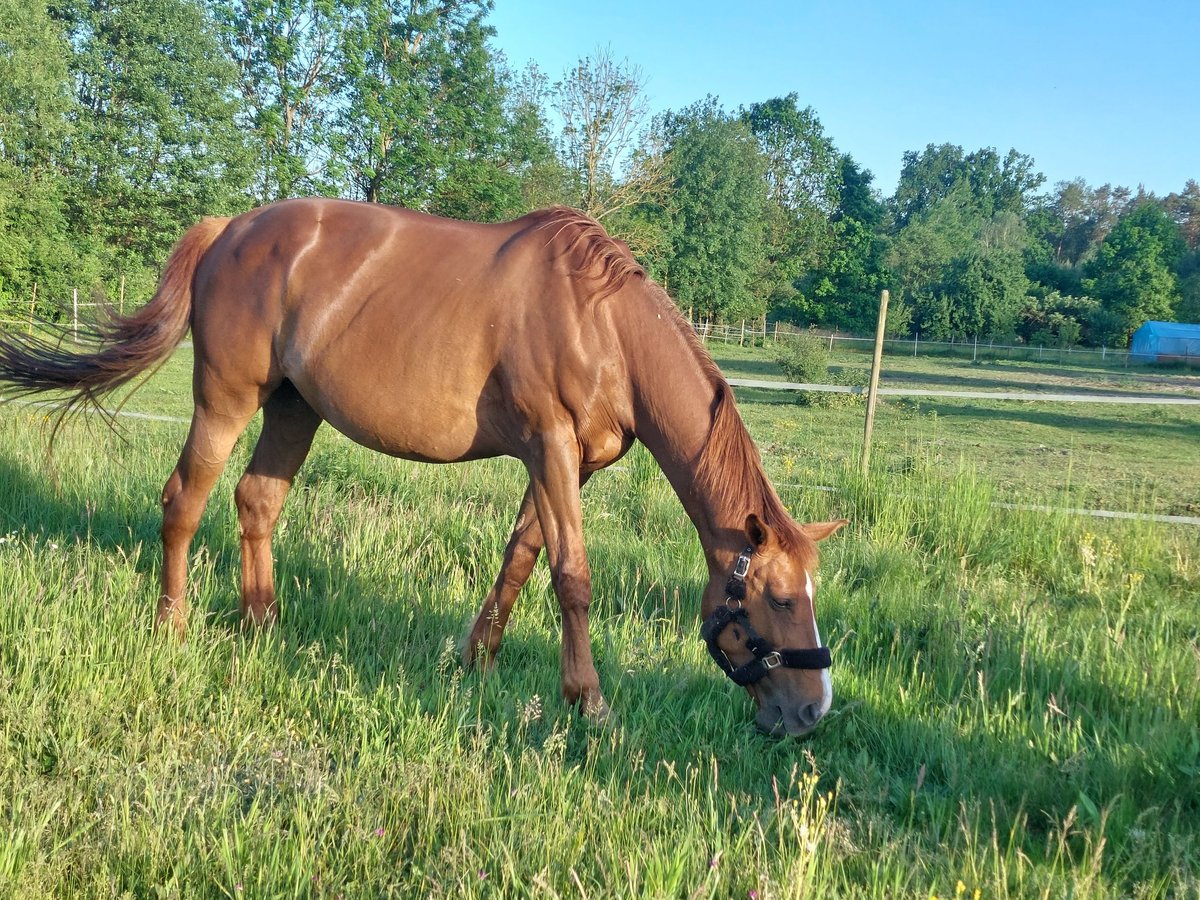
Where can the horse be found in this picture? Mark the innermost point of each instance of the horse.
(442, 341)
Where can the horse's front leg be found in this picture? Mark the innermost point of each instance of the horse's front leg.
(554, 481)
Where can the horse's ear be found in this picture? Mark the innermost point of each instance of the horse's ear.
(758, 532)
(818, 531)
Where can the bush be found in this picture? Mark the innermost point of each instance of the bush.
(804, 358)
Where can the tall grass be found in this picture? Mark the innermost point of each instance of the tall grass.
(1015, 711)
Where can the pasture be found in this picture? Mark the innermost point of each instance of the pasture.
(1016, 693)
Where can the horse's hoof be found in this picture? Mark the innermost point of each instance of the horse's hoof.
(596, 710)
(475, 656)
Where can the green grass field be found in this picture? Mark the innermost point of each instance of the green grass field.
(1016, 694)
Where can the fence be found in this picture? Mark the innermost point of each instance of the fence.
(30, 322)
(975, 349)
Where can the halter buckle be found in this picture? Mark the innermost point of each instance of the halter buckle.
(772, 660)
(742, 566)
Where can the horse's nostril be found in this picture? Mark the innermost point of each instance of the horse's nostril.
(811, 714)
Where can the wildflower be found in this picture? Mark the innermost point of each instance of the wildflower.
(379, 832)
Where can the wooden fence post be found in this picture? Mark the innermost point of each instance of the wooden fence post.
(75, 306)
(872, 391)
(32, 305)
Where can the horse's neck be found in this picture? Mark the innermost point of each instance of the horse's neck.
(675, 398)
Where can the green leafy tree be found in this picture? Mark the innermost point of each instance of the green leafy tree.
(35, 111)
(803, 172)
(155, 144)
(716, 212)
(962, 274)
(544, 178)
(844, 292)
(424, 121)
(1133, 274)
(994, 185)
(288, 59)
(1184, 210)
(1188, 309)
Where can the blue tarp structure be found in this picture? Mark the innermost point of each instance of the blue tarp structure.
(1166, 342)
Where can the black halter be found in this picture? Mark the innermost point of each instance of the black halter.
(766, 657)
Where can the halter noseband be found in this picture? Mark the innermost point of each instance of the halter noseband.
(766, 657)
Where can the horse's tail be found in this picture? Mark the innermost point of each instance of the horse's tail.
(126, 346)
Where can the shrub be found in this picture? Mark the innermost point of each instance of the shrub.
(804, 358)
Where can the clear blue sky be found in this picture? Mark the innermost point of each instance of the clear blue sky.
(1107, 91)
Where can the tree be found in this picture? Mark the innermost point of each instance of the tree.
(543, 176)
(1184, 210)
(1133, 272)
(994, 186)
(35, 106)
(844, 292)
(603, 108)
(802, 173)
(963, 274)
(154, 145)
(716, 211)
(287, 58)
(423, 120)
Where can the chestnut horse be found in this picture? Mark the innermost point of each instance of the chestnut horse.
(439, 340)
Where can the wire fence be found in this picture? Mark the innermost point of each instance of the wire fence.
(756, 334)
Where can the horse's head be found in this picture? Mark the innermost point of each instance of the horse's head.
(761, 627)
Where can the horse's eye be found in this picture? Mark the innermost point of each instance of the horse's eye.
(782, 604)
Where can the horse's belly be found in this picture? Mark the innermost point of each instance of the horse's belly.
(413, 422)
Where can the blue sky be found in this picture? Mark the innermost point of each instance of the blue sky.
(1106, 91)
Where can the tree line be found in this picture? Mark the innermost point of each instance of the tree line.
(123, 123)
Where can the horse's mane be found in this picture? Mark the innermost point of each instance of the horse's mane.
(729, 470)
(594, 253)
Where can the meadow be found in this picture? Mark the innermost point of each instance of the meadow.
(1016, 692)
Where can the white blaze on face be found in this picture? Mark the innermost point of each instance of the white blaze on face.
(826, 682)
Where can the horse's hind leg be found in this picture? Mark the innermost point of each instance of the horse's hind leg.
(524, 545)
(520, 556)
(209, 442)
(289, 424)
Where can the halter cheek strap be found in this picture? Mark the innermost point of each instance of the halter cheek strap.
(766, 657)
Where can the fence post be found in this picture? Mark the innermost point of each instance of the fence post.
(916, 337)
(831, 342)
(122, 300)
(742, 339)
(975, 350)
(32, 305)
(872, 391)
(75, 316)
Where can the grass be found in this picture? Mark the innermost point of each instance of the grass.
(1016, 694)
